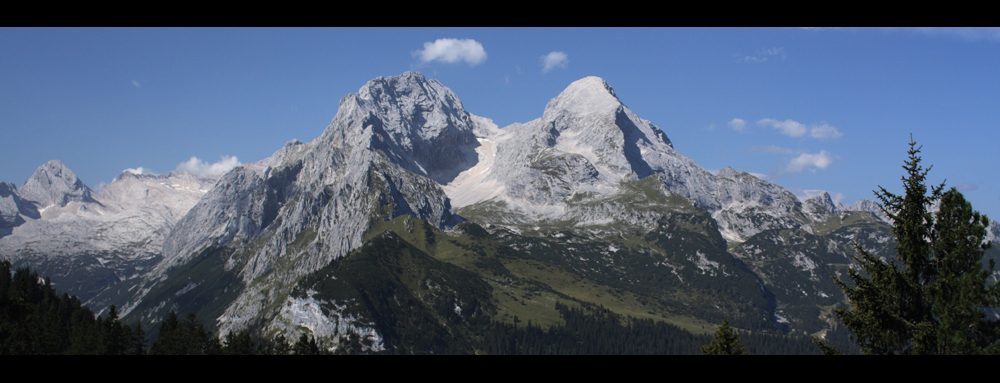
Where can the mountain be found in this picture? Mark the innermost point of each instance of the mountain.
(266, 225)
(412, 223)
(53, 184)
(91, 243)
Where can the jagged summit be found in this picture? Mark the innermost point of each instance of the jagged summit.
(418, 124)
(53, 183)
(589, 95)
(820, 206)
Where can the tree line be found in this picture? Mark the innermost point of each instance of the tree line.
(36, 320)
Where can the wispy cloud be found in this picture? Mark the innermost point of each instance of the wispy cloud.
(967, 33)
(553, 60)
(967, 186)
(197, 166)
(750, 59)
(452, 50)
(738, 125)
(138, 170)
(773, 52)
(794, 128)
(762, 55)
(810, 162)
(136, 83)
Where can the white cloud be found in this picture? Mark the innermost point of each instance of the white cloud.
(138, 170)
(794, 128)
(553, 60)
(824, 131)
(452, 50)
(808, 161)
(788, 127)
(136, 83)
(738, 125)
(197, 166)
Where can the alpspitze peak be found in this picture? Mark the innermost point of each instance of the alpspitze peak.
(591, 85)
(585, 96)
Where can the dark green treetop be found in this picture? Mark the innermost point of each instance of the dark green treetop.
(929, 298)
(726, 342)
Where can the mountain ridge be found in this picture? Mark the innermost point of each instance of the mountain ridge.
(589, 190)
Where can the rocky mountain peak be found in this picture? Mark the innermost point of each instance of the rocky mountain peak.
(53, 183)
(869, 206)
(418, 124)
(729, 172)
(820, 206)
(589, 95)
(993, 232)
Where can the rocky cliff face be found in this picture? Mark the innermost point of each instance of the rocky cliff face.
(588, 168)
(277, 220)
(53, 184)
(588, 188)
(14, 210)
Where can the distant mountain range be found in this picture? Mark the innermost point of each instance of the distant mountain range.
(454, 217)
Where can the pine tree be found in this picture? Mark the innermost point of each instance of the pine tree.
(138, 340)
(306, 346)
(726, 342)
(928, 298)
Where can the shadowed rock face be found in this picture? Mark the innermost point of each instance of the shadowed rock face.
(14, 210)
(418, 124)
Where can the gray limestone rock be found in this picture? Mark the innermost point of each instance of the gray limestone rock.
(54, 184)
(382, 156)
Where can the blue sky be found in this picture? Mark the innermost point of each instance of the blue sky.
(807, 108)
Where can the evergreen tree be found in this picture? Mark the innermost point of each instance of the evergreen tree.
(726, 342)
(281, 346)
(170, 339)
(138, 340)
(306, 346)
(238, 343)
(929, 297)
